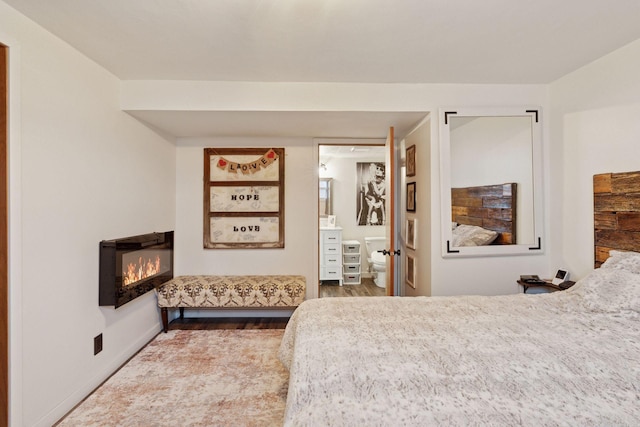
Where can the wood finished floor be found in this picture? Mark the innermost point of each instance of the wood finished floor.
(366, 289)
(327, 290)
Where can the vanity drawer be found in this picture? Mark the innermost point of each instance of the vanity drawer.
(331, 248)
(330, 259)
(330, 273)
(329, 237)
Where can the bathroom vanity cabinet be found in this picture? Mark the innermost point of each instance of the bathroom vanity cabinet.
(331, 254)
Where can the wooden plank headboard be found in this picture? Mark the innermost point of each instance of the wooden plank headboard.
(488, 206)
(616, 213)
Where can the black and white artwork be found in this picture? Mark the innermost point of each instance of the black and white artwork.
(371, 193)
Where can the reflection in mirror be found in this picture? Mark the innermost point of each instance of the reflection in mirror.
(325, 202)
(484, 215)
(489, 173)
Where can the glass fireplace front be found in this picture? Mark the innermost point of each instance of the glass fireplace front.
(132, 266)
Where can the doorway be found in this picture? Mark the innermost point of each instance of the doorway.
(352, 215)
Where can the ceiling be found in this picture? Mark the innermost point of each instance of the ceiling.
(368, 41)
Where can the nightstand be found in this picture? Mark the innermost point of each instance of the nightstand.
(547, 284)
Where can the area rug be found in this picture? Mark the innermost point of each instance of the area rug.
(225, 377)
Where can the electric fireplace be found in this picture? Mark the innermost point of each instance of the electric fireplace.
(132, 266)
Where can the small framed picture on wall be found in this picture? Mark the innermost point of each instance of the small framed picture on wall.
(411, 233)
(410, 160)
(411, 271)
(411, 197)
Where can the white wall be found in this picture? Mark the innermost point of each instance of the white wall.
(299, 256)
(595, 129)
(81, 171)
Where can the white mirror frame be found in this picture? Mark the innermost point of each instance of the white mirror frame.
(445, 182)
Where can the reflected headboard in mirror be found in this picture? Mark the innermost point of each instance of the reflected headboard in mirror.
(616, 213)
(492, 207)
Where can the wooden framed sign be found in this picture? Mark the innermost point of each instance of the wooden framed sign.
(243, 198)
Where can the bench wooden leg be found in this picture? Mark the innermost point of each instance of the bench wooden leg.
(165, 319)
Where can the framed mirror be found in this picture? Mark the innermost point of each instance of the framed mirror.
(491, 181)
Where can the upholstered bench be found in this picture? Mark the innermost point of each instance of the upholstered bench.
(229, 292)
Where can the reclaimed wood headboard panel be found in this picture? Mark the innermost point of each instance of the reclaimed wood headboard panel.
(488, 206)
(616, 213)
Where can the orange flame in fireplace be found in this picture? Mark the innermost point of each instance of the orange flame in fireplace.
(140, 270)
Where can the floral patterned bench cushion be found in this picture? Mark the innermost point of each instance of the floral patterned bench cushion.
(232, 291)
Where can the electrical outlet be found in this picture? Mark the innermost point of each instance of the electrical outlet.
(97, 344)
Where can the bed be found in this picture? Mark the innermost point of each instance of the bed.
(564, 358)
(484, 215)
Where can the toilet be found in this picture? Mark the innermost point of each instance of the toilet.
(377, 261)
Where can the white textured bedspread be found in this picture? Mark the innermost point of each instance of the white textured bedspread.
(534, 360)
